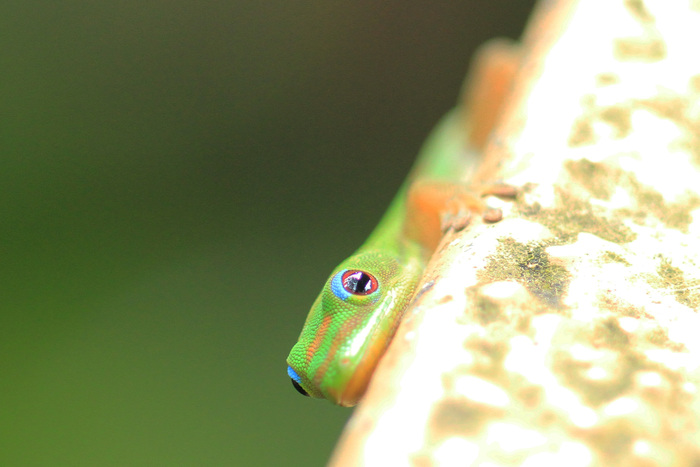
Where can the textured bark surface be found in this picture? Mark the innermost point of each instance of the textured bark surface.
(566, 334)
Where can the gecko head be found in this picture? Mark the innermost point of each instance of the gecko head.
(349, 327)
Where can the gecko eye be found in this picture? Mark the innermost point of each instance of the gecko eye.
(359, 282)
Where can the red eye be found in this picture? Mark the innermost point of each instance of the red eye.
(359, 282)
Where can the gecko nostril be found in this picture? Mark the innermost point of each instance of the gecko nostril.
(298, 387)
(295, 381)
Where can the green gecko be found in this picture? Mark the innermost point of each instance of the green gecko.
(352, 321)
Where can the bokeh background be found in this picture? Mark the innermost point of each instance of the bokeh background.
(177, 178)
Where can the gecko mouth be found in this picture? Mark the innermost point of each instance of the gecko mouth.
(357, 384)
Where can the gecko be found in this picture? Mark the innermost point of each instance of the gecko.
(354, 318)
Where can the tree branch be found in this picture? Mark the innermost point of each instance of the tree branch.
(567, 333)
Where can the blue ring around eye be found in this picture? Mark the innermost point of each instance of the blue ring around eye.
(337, 286)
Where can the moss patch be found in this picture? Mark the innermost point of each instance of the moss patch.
(607, 79)
(608, 333)
(600, 180)
(619, 117)
(614, 304)
(643, 49)
(488, 310)
(595, 392)
(651, 202)
(581, 133)
(672, 280)
(573, 216)
(695, 81)
(670, 107)
(639, 11)
(612, 257)
(529, 265)
(452, 417)
(593, 176)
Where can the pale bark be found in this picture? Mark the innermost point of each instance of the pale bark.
(568, 333)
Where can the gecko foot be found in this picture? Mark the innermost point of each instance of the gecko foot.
(455, 221)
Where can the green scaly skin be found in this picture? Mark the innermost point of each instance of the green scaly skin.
(346, 334)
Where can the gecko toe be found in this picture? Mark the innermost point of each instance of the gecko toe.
(501, 190)
(455, 222)
(492, 215)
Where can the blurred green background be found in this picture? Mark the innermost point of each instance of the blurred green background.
(177, 179)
